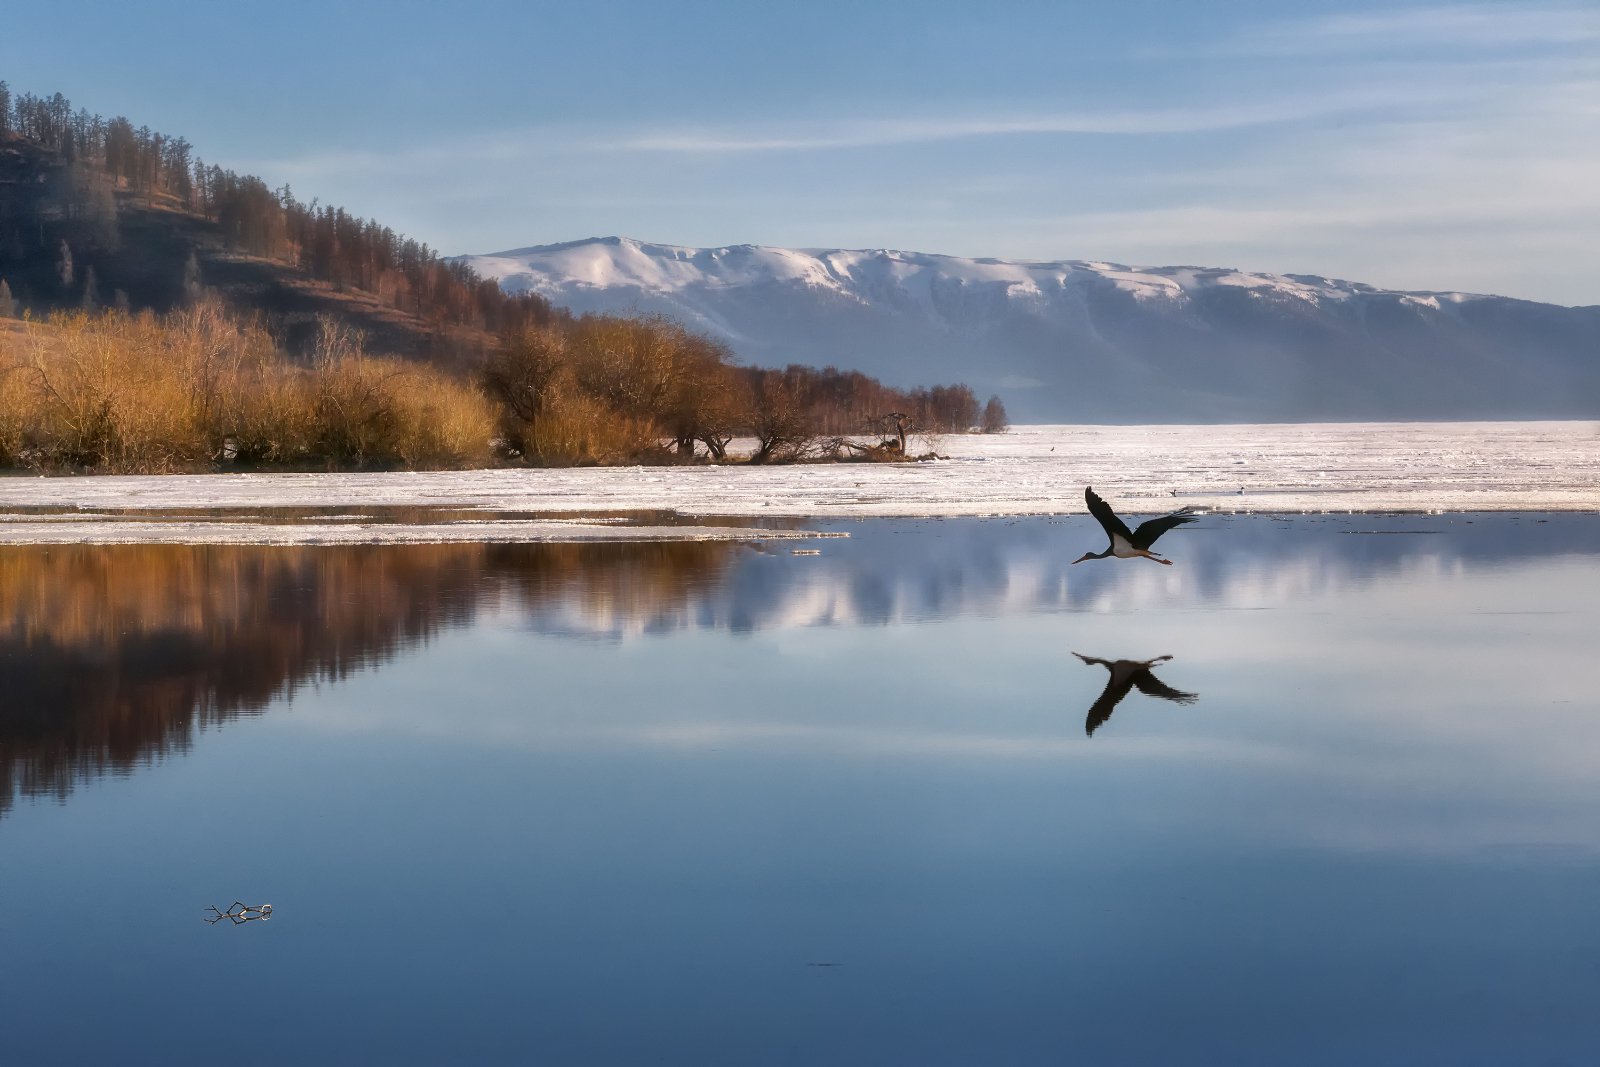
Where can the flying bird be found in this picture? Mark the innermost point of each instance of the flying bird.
(1128, 674)
(1126, 543)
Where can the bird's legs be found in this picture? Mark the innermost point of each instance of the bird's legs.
(1147, 554)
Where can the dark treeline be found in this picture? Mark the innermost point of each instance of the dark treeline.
(843, 401)
(100, 214)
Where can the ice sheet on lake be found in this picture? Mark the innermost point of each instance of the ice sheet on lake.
(102, 531)
(1517, 466)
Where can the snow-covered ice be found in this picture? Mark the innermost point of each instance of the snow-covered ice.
(103, 531)
(1419, 467)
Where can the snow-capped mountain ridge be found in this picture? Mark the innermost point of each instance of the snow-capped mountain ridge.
(623, 262)
(1091, 340)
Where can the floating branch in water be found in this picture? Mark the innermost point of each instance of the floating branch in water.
(239, 912)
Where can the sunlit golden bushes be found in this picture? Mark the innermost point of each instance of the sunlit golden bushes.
(576, 430)
(200, 389)
(148, 394)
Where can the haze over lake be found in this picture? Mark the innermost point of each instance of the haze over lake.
(715, 802)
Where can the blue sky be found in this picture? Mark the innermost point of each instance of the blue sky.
(1417, 146)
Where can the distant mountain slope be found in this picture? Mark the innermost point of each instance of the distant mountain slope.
(1093, 341)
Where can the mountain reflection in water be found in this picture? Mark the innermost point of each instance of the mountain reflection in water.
(531, 789)
(111, 656)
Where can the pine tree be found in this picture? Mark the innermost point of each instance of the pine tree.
(8, 306)
(100, 213)
(91, 290)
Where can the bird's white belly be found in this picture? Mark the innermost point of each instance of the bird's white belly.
(1122, 550)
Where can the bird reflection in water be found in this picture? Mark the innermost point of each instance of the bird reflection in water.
(1128, 674)
(240, 913)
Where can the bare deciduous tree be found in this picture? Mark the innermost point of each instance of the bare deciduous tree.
(632, 365)
(782, 427)
(994, 416)
(708, 401)
(893, 426)
(524, 376)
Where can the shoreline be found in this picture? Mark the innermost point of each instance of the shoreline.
(1340, 468)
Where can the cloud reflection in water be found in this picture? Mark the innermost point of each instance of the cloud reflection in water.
(113, 656)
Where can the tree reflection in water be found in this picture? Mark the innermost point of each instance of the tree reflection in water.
(112, 656)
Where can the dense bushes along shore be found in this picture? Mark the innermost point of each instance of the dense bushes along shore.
(111, 392)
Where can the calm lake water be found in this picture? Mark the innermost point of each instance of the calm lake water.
(715, 804)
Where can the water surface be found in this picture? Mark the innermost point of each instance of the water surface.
(716, 803)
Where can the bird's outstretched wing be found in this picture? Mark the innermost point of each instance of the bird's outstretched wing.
(1107, 518)
(1109, 697)
(1104, 705)
(1151, 686)
(1148, 531)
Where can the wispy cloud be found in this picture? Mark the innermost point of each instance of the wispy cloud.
(818, 135)
(1455, 26)
(1508, 204)
(1366, 144)
(815, 136)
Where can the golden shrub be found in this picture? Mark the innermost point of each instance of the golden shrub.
(148, 394)
(577, 429)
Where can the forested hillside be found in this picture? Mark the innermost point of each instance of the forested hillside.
(271, 311)
(96, 212)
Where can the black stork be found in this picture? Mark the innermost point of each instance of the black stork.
(1128, 674)
(1126, 543)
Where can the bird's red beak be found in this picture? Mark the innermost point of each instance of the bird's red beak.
(1080, 559)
